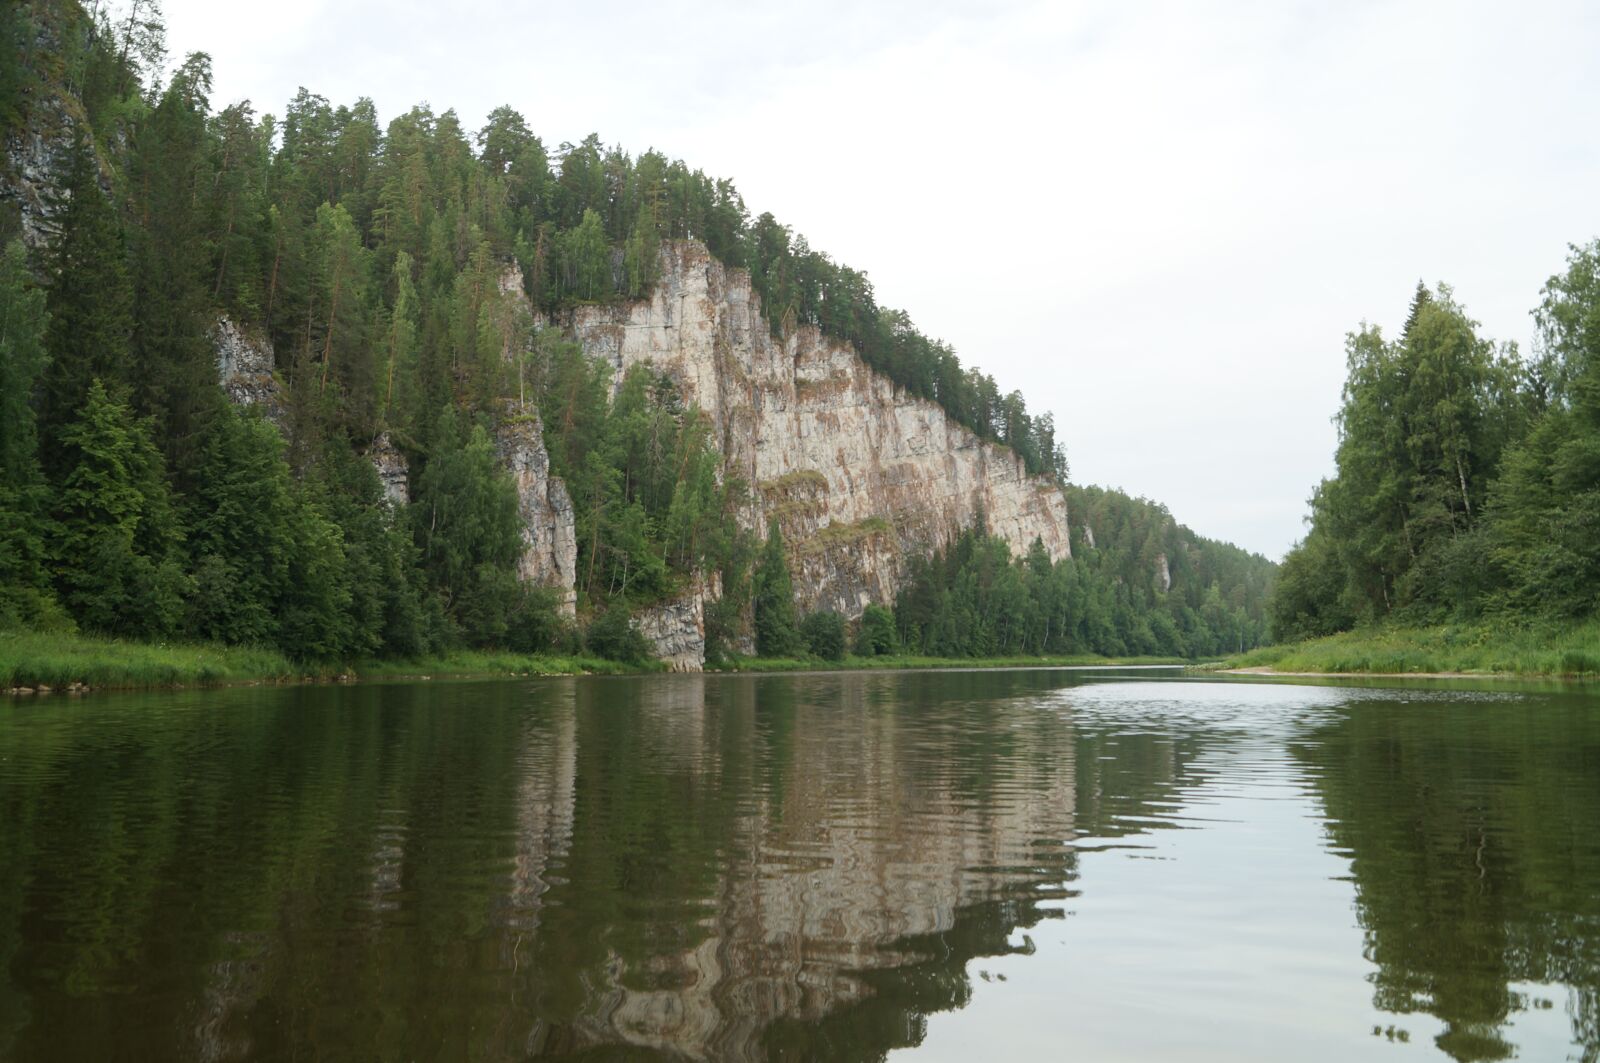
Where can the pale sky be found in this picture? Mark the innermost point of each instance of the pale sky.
(1157, 220)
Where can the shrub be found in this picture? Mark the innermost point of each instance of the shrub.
(823, 634)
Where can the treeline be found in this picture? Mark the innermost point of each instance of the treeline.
(312, 224)
(1138, 584)
(136, 500)
(1467, 480)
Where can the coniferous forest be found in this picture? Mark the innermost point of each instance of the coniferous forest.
(137, 501)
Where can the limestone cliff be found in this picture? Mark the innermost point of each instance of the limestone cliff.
(38, 151)
(245, 368)
(857, 472)
(549, 535)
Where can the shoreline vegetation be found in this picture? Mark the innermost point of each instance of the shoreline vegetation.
(33, 662)
(1548, 649)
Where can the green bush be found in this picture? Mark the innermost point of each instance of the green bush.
(823, 634)
(611, 635)
(875, 634)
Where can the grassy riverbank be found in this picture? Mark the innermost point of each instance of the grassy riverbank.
(467, 663)
(1471, 649)
(812, 664)
(30, 661)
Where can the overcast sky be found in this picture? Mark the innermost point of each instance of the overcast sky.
(1157, 220)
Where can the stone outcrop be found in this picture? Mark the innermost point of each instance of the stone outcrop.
(38, 152)
(393, 469)
(244, 368)
(677, 627)
(857, 472)
(549, 532)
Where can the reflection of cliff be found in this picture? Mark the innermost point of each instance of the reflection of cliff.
(546, 776)
(855, 842)
(1470, 877)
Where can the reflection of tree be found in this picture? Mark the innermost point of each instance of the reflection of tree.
(1470, 836)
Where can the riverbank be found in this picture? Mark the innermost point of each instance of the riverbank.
(812, 664)
(32, 662)
(1445, 650)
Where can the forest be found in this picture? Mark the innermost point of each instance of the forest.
(1467, 483)
(137, 501)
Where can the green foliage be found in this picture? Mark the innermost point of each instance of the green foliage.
(1540, 646)
(772, 598)
(613, 637)
(973, 599)
(118, 568)
(25, 593)
(1545, 506)
(824, 635)
(875, 634)
(1467, 484)
(90, 304)
(32, 659)
(468, 533)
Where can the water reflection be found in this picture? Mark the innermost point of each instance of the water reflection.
(788, 867)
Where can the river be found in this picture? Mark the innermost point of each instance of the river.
(1033, 864)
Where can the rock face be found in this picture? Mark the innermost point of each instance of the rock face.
(393, 469)
(677, 628)
(38, 154)
(244, 368)
(40, 157)
(549, 535)
(857, 473)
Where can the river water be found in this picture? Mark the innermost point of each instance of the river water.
(1049, 864)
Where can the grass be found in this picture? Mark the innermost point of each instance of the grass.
(1474, 649)
(837, 535)
(812, 664)
(29, 659)
(490, 662)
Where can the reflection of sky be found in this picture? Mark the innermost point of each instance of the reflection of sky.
(1234, 939)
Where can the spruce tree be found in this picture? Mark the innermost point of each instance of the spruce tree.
(119, 568)
(24, 572)
(773, 594)
(90, 303)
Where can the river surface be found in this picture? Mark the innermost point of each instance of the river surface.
(1000, 865)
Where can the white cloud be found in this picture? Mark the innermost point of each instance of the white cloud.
(1157, 220)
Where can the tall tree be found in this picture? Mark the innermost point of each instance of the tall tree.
(90, 303)
(120, 569)
(773, 598)
(174, 369)
(24, 564)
